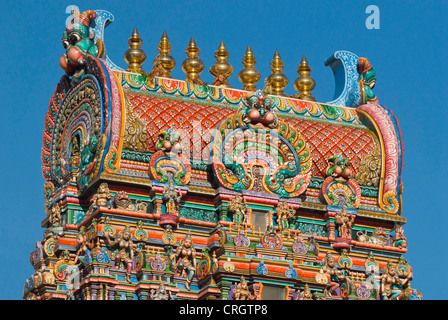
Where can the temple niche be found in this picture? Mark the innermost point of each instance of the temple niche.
(174, 189)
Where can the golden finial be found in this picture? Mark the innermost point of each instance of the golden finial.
(277, 81)
(135, 56)
(163, 62)
(192, 65)
(221, 70)
(304, 84)
(249, 76)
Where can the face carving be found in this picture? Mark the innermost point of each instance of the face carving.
(78, 42)
(258, 111)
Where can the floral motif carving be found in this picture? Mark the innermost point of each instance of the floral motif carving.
(135, 133)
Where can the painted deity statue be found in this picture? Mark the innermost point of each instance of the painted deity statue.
(367, 81)
(306, 294)
(125, 249)
(400, 239)
(172, 198)
(185, 259)
(54, 215)
(161, 293)
(78, 42)
(344, 221)
(102, 198)
(330, 268)
(87, 162)
(392, 286)
(238, 206)
(241, 292)
(82, 244)
(284, 213)
(74, 152)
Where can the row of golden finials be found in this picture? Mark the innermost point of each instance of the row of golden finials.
(192, 66)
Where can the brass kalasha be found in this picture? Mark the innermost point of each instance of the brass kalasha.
(249, 76)
(304, 84)
(221, 70)
(163, 63)
(277, 81)
(135, 56)
(192, 65)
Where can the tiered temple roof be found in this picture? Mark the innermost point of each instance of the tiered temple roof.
(161, 188)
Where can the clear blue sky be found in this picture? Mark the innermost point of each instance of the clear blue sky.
(408, 53)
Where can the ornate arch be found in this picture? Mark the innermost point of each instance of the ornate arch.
(254, 150)
(92, 111)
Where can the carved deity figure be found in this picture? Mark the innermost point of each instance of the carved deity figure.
(172, 198)
(284, 213)
(102, 198)
(400, 239)
(241, 292)
(344, 221)
(54, 215)
(185, 259)
(125, 249)
(392, 286)
(87, 162)
(238, 206)
(74, 152)
(161, 293)
(82, 244)
(306, 294)
(330, 268)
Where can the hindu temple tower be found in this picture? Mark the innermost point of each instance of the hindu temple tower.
(159, 188)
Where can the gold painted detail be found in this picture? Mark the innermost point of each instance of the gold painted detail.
(369, 171)
(135, 134)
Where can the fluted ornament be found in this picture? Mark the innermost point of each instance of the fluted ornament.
(277, 81)
(249, 76)
(304, 84)
(135, 56)
(221, 70)
(192, 65)
(163, 63)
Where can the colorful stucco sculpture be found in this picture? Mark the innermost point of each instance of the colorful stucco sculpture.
(161, 188)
